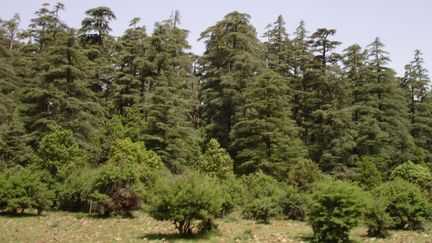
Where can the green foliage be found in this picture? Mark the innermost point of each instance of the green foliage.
(233, 194)
(119, 185)
(74, 192)
(262, 199)
(368, 174)
(335, 208)
(303, 173)
(23, 188)
(377, 219)
(216, 161)
(407, 206)
(293, 204)
(187, 198)
(264, 137)
(59, 154)
(415, 173)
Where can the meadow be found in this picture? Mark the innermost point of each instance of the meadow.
(78, 227)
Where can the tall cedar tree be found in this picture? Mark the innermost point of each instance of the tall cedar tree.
(331, 130)
(416, 85)
(61, 93)
(228, 63)
(13, 137)
(133, 77)
(264, 137)
(169, 131)
(380, 111)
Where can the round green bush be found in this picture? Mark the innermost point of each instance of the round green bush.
(189, 197)
(303, 174)
(335, 208)
(263, 197)
(414, 173)
(407, 206)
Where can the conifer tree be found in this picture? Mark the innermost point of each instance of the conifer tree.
(132, 77)
(229, 61)
(383, 125)
(264, 137)
(416, 85)
(169, 131)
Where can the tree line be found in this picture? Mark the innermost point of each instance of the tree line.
(92, 121)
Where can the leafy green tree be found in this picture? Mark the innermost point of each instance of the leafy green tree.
(135, 70)
(377, 219)
(293, 204)
(62, 92)
(14, 139)
(368, 174)
(335, 208)
(95, 27)
(74, 192)
(384, 125)
(216, 161)
(59, 153)
(187, 198)
(278, 48)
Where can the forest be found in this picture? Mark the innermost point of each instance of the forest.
(280, 126)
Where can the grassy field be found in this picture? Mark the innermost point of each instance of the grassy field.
(72, 227)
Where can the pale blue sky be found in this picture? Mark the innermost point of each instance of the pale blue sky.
(403, 25)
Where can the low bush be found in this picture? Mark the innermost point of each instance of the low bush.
(263, 196)
(414, 173)
(377, 219)
(25, 188)
(335, 208)
(303, 174)
(293, 204)
(407, 206)
(189, 197)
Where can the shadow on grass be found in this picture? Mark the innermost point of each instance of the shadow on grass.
(22, 215)
(173, 237)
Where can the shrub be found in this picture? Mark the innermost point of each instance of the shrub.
(74, 192)
(414, 173)
(187, 198)
(407, 205)
(115, 190)
(233, 194)
(22, 188)
(303, 174)
(377, 219)
(120, 184)
(335, 208)
(368, 174)
(263, 197)
(293, 204)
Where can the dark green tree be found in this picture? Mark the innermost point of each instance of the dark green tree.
(229, 61)
(169, 130)
(416, 85)
(264, 137)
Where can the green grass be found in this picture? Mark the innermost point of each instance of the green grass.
(76, 227)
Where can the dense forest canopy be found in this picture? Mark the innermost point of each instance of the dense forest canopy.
(81, 103)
